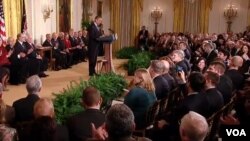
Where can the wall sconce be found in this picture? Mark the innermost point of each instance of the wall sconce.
(230, 12)
(47, 9)
(156, 13)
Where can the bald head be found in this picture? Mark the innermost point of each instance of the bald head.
(166, 66)
(236, 61)
(193, 127)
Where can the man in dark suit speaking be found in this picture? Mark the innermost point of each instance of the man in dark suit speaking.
(94, 44)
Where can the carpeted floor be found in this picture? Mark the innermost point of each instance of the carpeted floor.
(57, 80)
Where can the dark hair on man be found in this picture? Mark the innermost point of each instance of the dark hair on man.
(97, 17)
(225, 52)
(219, 66)
(90, 96)
(119, 122)
(213, 77)
(196, 81)
(43, 129)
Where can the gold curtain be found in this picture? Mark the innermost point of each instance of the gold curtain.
(136, 9)
(115, 23)
(179, 12)
(13, 16)
(206, 6)
(181, 16)
(248, 13)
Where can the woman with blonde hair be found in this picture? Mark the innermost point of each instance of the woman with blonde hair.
(141, 96)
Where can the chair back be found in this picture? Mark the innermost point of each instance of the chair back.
(214, 121)
(163, 106)
(173, 98)
(152, 113)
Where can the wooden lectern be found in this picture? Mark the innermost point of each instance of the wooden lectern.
(105, 65)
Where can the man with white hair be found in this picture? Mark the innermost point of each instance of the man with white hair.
(178, 56)
(171, 81)
(193, 127)
(233, 72)
(24, 106)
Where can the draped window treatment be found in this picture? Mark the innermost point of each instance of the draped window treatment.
(125, 23)
(248, 13)
(115, 22)
(125, 18)
(13, 16)
(137, 7)
(191, 16)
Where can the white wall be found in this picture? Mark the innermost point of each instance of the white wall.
(37, 27)
(166, 22)
(76, 14)
(217, 22)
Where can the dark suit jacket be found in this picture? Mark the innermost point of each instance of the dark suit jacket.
(94, 33)
(18, 48)
(33, 54)
(161, 87)
(79, 126)
(46, 43)
(210, 58)
(215, 101)
(236, 77)
(225, 86)
(195, 102)
(24, 108)
(171, 81)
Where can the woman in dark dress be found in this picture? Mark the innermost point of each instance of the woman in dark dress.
(141, 96)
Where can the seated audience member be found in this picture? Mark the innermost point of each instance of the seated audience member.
(47, 43)
(212, 94)
(119, 125)
(244, 52)
(83, 40)
(171, 81)
(233, 72)
(4, 77)
(4, 55)
(10, 44)
(193, 127)
(44, 127)
(79, 126)
(24, 106)
(6, 132)
(199, 65)
(194, 101)
(19, 61)
(36, 63)
(61, 58)
(210, 52)
(141, 96)
(63, 50)
(178, 57)
(77, 52)
(225, 86)
(224, 55)
(156, 70)
(184, 46)
(9, 111)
